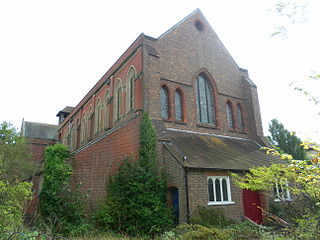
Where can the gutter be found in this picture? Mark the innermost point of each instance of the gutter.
(185, 168)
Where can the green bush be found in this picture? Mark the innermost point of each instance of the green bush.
(198, 232)
(61, 207)
(210, 217)
(136, 200)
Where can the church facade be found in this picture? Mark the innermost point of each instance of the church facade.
(203, 106)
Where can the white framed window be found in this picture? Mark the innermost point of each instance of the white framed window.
(219, 191)
(281, 192)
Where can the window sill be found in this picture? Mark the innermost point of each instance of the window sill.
(203, 125)
(232, 130)
(180, 122)
(277, 200)
(220, 203)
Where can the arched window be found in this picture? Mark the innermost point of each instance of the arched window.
(164, 102)
(239, 118)
(204, 100)
(118, 102)
(107, 110)
(219, 190)
(210, 190)
(83, 128)
(229, 111)
(178, 106)
(130, 94)
(97, 117)
(90, 123)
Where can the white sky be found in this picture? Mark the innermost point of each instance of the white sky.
(53, 52)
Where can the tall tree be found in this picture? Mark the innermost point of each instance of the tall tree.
(285, 141)
(14, 168)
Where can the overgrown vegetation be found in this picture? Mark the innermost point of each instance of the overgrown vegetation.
(61, 208)
(136, 200)
(14, 171)
(301, 217)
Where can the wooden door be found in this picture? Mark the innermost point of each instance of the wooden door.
(251, 200)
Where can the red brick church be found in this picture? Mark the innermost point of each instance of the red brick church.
(204, 108)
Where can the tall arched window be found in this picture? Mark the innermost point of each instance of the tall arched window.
(130, 94)
(118, 102)
(83, 127)
(107, 110)
(239, 118)
(229, 111)
(204, 100)
(164, 102)
(178, 105)
(97, 117)
(90, 123)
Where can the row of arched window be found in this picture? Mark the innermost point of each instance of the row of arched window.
(98, 118)
(205, 105)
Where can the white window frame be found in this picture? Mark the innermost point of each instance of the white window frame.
(284, 195)
(213, 178)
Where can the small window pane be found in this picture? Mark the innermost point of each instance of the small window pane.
(178, 105)
(164, 101)
(210, 190)
(224, 190)
(218, 190)
(239, 117)
(229, 115)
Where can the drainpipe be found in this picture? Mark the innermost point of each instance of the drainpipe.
(185, 168)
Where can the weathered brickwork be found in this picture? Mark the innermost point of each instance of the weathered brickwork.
(99, 160)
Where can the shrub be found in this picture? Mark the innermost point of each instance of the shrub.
(198, 232)
(136, 200)
(61, 208)
(210, 217)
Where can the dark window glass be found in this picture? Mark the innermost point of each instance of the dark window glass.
(239, 118)
(210, 190)
(118, 102)
(229, 115)
(178, 105)
(204, 101)
(164, 101)
(131, 86)
(224, 190)
(218, 190)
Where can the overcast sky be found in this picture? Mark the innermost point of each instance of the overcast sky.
(53, 52)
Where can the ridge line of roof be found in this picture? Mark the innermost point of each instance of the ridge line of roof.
(177, 24)
(210, 134)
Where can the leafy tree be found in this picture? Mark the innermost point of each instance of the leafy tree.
(136, 200)
(14, 167)
(302, 180)
(61, 207)
(286, 142)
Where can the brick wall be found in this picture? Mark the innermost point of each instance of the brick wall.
(99, 159)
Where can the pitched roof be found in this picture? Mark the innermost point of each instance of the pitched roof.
(208, 151)
(67, 109)
(39, 130)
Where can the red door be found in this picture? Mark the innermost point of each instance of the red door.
(250, 202)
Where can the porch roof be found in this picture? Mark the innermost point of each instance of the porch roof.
(208, 151)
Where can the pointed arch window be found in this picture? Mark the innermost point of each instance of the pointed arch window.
(204, 100)
(107, 110)
(229, 111)
(178, 106)
(239, 118)
(118, 100)
(130, 94)
(83, 128)
(97, 117)
(164, 102)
